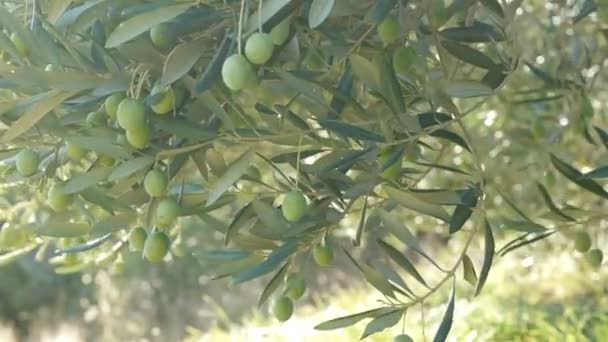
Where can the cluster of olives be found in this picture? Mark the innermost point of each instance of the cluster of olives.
(582, 244)
(295, 287)
(294, 207)
(155, 246)
(237, 71)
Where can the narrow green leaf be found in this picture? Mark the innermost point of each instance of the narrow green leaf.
(600, 172)
(272, 262)
(524, 240)
(141, 23)
(181, 60)
(389, 85)
(114, 223)
(469, 270)
(270, 216)
(82, 181)
(99, 144)
(494, 6)
(468, 54)
(87, 246)
(450, 136)
(60, 229)
(361, 227)
(35, 113)
(549, 202)
(234, 172)
(351, 131)
(241, 216)
(273, 284)
(402, 261)
(477, 33)
(382, 9)
(446, 323)
(577, 177)
(488, 257)
(411, 201)
(129, 167)
(382, 322)
(523, 226)
(463, 212)
(466, 89)
(319, 11)
(375, 278)
(346, 321)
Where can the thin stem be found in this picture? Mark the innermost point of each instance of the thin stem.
(260, 15)
(240, 28)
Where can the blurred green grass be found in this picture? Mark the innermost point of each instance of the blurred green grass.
(557, 298)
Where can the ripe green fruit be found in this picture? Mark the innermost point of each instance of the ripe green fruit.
(166, 212)
(106, 160)
(294, 206)
(237, 73)
(296, 286)
(280, 33)
(594, 257)
(403, 59)
(131, 114)
(323, 255)
(75, 152)
(156, 246)
(111, 104)
(402, 338)
(393, 170)
(283, 308)
(96, 119)
(137, 238)
(20, 45)
(27, 162)
(139, 137)
(582, 242)
(155, 183)
(388, 30)
(164, 100)
(161, 36)
(259, 47)
(58, 199)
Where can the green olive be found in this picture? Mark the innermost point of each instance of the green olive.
(388, 30)
(155, 183)
(27, 162)
(166, 212)
(582, 242)
(111, 104)
(75, 152)
(402, 338)
(323, 255)
(296, 286)
(259, 48)
(131, 114)
(139, 137)
(237, 72)
(294, 206)
(283, 308)
(96, 119)
(156, 246)
(391, 171)
(162, 36)
(20, 45)
(58, 199)
(137, 238)
(106, 160)
(404, 58)
(594, 257)
(164, 100)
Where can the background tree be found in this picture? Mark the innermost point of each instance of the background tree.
(302, 131)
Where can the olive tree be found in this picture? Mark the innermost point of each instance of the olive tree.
(303, 131)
